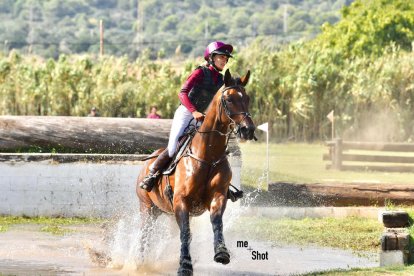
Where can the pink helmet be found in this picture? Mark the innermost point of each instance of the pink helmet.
(218, 47)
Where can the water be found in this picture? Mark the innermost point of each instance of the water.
(124, 243)
(114, 249)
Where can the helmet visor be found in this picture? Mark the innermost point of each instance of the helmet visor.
(224, 52)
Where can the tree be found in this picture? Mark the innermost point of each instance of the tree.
(367, 27)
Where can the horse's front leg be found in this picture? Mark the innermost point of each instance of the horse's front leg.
(218, 205)
(146, 225)
(183, 219)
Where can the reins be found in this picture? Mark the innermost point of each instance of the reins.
(223, 106)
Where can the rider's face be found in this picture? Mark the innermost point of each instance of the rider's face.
(220, 61)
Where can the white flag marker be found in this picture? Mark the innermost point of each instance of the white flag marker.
(265, 127)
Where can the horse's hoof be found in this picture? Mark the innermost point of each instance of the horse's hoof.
(186, 267)
(222, 257)
(185, 271)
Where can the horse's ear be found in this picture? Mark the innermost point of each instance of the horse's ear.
(245, 79)
(227, 78)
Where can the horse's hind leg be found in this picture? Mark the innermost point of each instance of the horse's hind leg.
(221, 254)
(183, 220)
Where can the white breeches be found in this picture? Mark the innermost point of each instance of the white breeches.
(182, 117)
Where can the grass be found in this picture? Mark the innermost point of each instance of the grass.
(302, 163)
(385, 271)
(54, 226)
(361, 235)
(353, 233)
(55, 230)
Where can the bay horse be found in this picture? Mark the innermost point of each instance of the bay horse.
(202, 176)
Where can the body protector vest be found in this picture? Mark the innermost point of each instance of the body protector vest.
(203, 93)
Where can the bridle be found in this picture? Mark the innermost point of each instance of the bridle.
(223, 106)
(229, 114)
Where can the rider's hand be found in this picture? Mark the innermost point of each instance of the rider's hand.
(198, 116)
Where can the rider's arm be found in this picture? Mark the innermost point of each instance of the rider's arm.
(194, 78)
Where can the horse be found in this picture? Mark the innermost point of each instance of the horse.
(202, 175)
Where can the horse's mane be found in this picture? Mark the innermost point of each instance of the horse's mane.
(235, 81)
(232, 82)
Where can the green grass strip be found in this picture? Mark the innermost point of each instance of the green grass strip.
(51, 225)
(354, 233)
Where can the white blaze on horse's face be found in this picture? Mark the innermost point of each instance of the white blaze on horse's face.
(238, 92)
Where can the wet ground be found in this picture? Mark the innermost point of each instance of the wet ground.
(114, 250)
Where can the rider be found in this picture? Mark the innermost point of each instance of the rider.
(195, 96)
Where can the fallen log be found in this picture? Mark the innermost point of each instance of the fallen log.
(86, 134)
(83, 134)
(340, 194)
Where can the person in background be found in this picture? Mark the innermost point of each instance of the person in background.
(93, 113)
(153, 113)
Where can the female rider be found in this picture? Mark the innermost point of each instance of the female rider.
(195, 96)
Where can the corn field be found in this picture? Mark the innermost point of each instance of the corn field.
(293, 89)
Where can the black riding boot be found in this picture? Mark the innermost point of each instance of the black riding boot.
(155, 169)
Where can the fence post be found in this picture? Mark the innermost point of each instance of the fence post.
(337, 160)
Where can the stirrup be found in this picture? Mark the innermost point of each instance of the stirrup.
(148, 182)
(234, 195)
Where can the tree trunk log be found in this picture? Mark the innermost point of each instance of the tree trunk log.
(340, 194)
(83, 134)
(87, 134)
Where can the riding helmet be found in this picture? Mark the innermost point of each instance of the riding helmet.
(218, 48)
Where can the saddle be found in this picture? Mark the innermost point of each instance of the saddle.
(183, 142)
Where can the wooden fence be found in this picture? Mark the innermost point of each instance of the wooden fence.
(387, 157)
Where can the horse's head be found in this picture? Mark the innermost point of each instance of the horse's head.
(235, 103)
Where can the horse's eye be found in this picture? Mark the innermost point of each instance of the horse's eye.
(229, 100)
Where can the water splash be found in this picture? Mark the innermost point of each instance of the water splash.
(124, 241)
(124, 244)
(124, 238)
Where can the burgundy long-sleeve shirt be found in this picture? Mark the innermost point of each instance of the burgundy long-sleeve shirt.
(195, 78)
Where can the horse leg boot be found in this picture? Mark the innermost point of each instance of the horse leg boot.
(155, 169)
(183, 220)
(221, 254)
